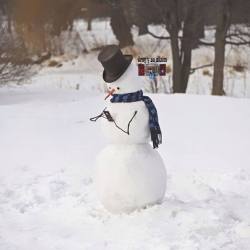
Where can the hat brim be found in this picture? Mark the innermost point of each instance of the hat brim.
(111, 78)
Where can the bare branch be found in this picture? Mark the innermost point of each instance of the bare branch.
(238, 43)
(159, 37)
(227, 42)
(205, 43)
(238, 34)
(192, 70)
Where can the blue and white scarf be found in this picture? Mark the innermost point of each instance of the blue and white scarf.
(154, 126)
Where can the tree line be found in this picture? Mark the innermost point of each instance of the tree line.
(186, 22)
(33, 25)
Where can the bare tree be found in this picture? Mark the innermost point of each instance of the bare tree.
(185, 16)
(14, 66)
(190, 17)
(227, 15)
(119, 24)
(222, 25)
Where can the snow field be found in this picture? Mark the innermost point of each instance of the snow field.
(48, 149)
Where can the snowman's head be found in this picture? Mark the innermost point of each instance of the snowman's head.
(129, 82)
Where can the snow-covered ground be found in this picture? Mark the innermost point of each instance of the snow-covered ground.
(48, 148)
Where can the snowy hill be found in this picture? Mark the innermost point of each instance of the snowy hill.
(48, 148)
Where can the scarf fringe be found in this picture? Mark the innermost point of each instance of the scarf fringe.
(156, 137)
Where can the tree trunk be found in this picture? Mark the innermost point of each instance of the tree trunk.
(185, 67)
(9, 25)
(120, 27)
(89, 27)
(191, 33)
(176, 62)
(182, 57)
(222, 25)
(186, 55)
(173, 27)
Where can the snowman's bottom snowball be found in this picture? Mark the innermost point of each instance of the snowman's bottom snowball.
(129, 177)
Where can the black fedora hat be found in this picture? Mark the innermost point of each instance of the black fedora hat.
(113, 62)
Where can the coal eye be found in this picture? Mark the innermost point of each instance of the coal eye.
(109, 87)
(118, 88)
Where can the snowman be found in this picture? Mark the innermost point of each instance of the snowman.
(130, 173)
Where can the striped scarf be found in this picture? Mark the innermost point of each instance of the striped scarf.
(154, 126)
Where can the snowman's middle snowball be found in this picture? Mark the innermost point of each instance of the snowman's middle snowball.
(122, 114)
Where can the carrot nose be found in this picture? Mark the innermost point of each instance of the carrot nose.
(110, 92)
